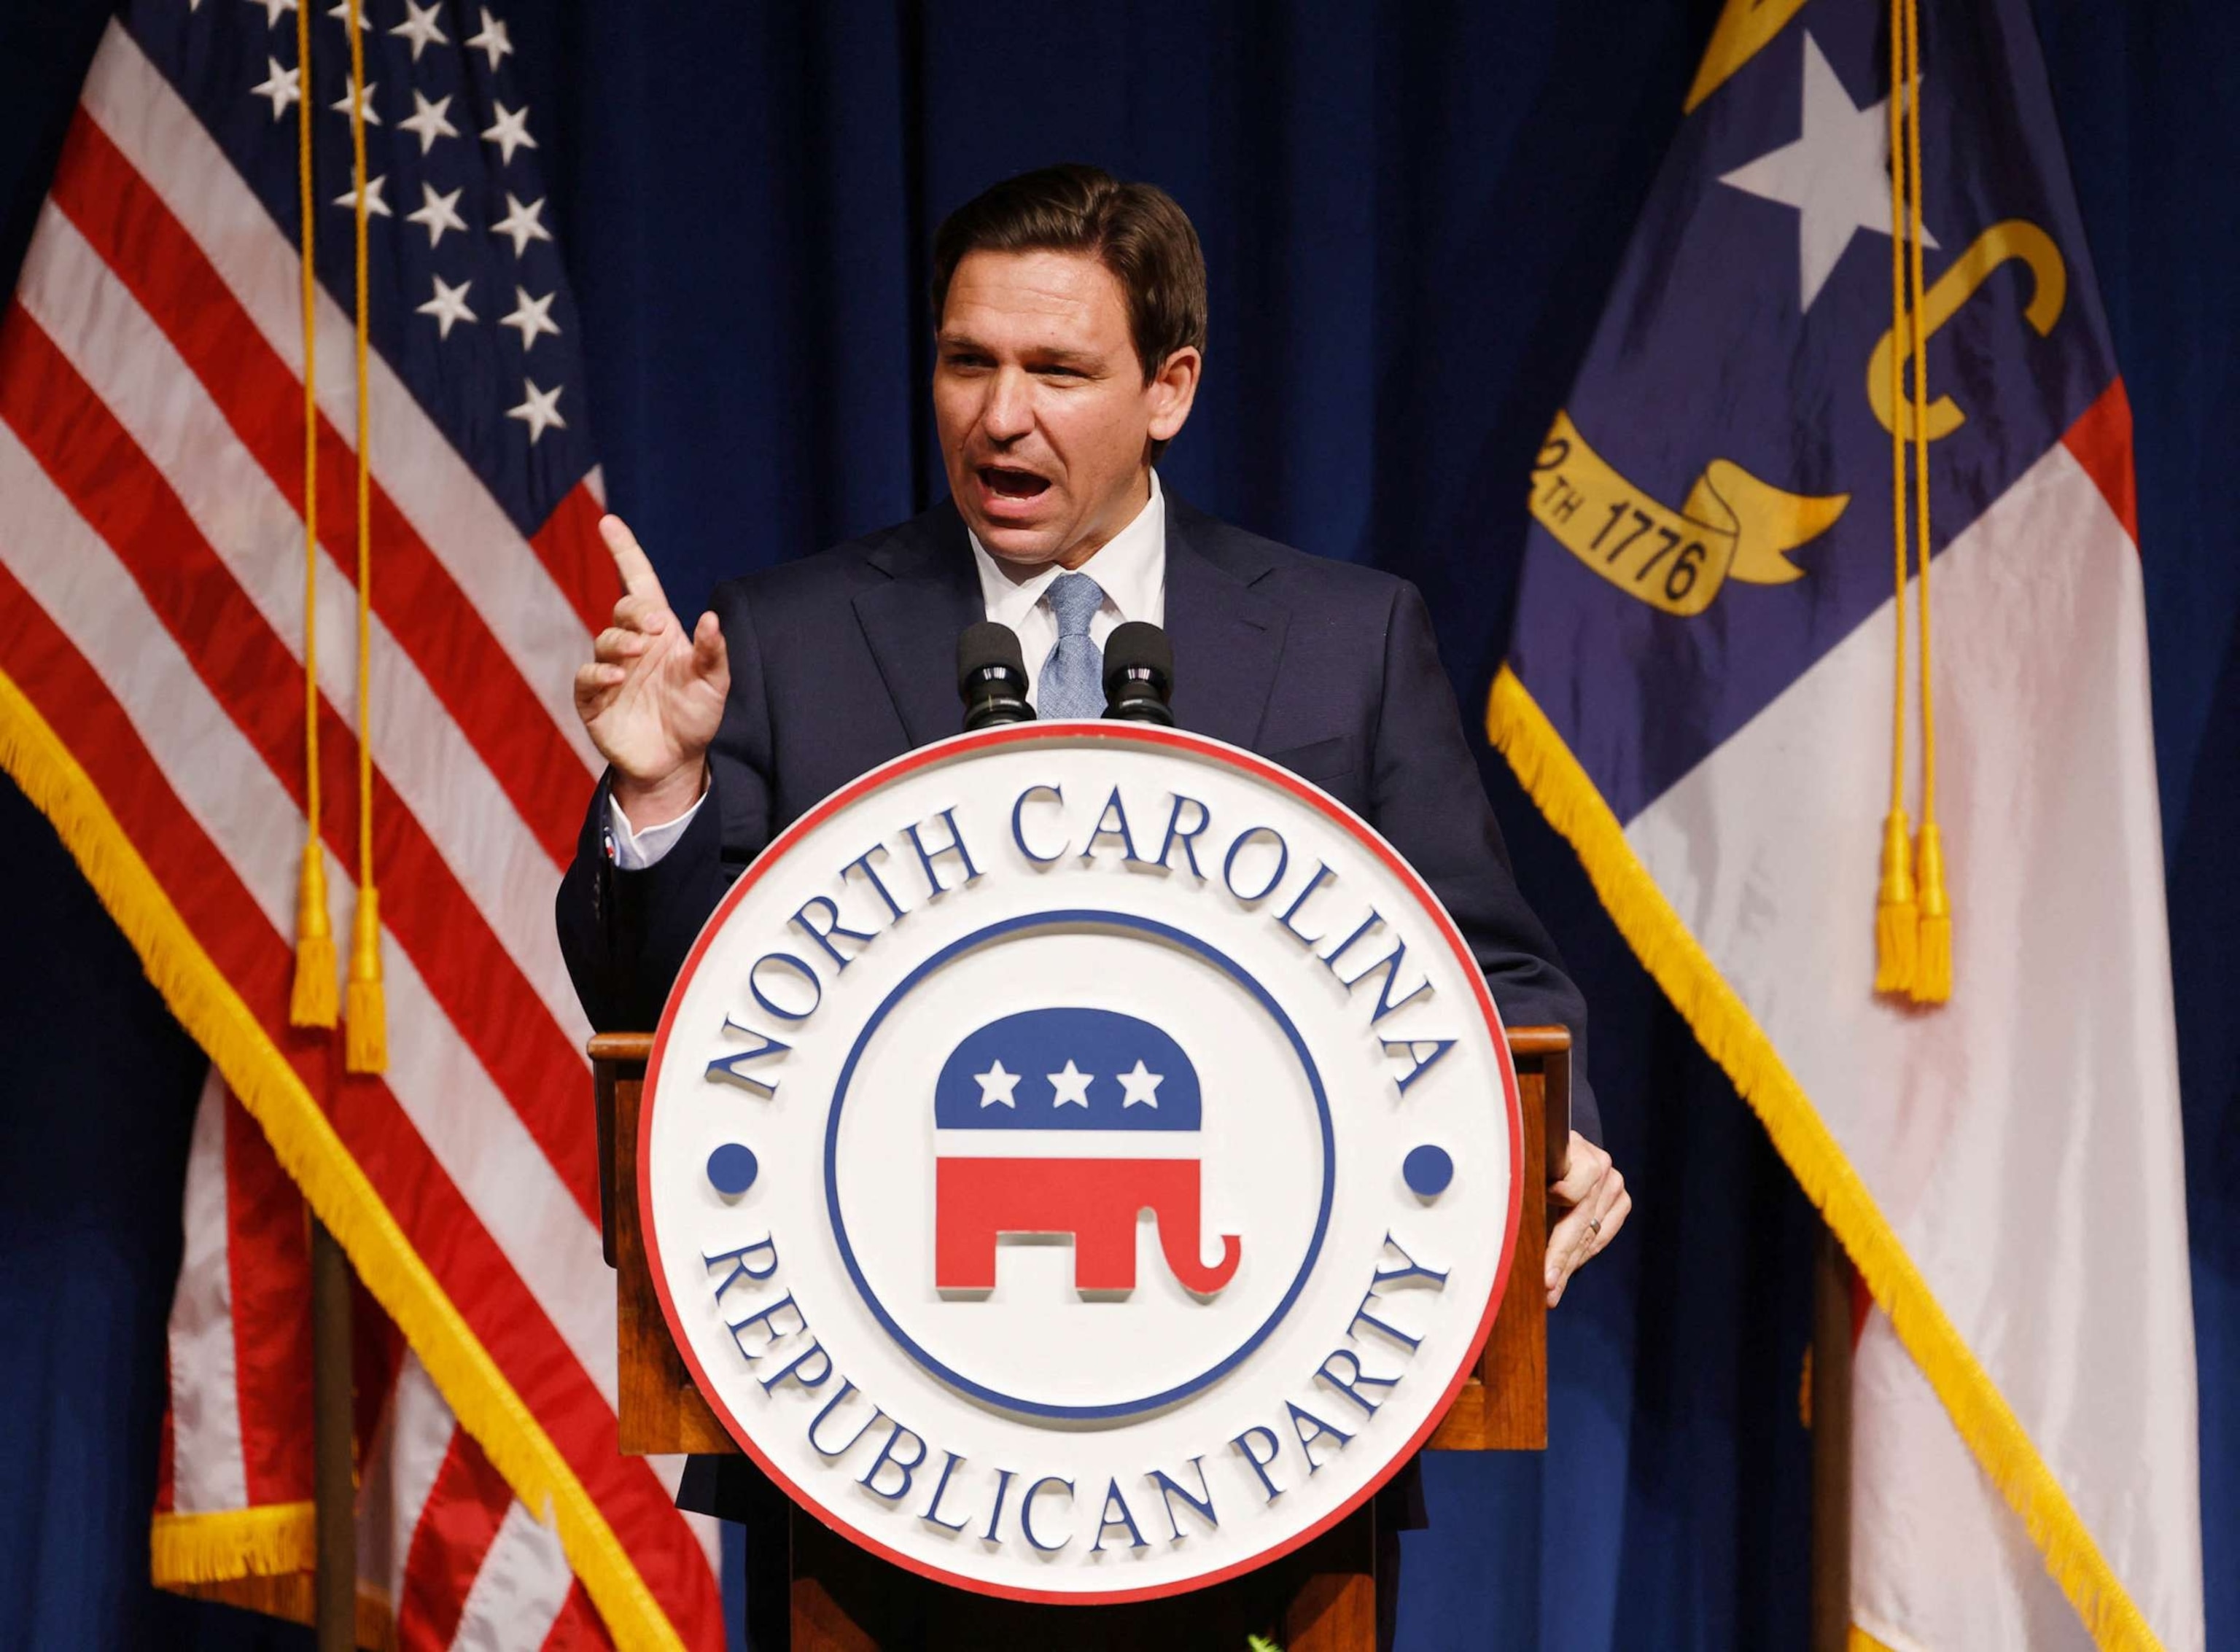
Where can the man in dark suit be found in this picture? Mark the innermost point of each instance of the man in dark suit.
(1071, 313)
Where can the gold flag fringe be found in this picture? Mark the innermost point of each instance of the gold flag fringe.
(219, 1545)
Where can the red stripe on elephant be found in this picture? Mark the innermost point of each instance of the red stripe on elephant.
(1095, 1201)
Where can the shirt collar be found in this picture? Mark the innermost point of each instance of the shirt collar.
(1130, 568)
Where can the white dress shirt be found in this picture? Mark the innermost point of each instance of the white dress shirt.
(1131, 569)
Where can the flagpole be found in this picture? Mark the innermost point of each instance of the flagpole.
(1832, 1446)
(334, 1492)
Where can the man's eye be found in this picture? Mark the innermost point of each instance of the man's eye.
(964, 361)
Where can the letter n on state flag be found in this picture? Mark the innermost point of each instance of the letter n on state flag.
(1698, 693)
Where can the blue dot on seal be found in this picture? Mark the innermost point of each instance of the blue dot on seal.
(732, 1168)
(1427, 1171)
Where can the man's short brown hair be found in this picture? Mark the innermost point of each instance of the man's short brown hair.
(1136, 230)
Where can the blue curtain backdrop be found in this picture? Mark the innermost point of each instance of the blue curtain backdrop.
(1410, 215)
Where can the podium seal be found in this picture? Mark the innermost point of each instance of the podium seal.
(1080, 1161)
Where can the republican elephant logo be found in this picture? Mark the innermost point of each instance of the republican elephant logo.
(1070, 1122)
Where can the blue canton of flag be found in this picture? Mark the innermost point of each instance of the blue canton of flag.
(470, 302)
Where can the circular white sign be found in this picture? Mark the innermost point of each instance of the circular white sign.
(1080, 1161)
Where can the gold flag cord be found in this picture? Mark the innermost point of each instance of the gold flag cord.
(1897, 916)
(1913, 915)
(1932, 982)
(365, 1046)
(311, 1000)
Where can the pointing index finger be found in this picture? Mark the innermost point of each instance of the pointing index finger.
(630, 560)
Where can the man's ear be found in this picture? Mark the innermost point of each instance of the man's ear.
(1172, 392)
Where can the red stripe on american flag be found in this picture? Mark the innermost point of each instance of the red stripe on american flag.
(127, 222)
(444, 1230)
(578, 1626)
(457, 1525)
(268, 1266)
(126, 499)
(569, 547)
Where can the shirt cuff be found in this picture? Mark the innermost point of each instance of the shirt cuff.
(635, 850)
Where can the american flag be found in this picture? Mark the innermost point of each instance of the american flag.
(151, 694)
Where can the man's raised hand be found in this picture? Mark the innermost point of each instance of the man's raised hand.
(652, 696)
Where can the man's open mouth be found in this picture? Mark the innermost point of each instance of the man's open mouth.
(1007, 483)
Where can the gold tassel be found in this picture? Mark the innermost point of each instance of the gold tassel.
(1933, 981)
(365, 1017)
(1896, 916)
(311, 1001)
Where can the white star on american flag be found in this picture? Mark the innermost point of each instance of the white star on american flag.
(523, 223)
(493, 40)
(342, 105)
(428, 122)
(509, 131)
(282, 86)
(532, 316)
(449, 304)
(375, 206)
(272, 10)
(436, 212)
(539, 410)
(421, 28)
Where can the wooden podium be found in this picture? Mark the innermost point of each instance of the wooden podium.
(1320, 1598)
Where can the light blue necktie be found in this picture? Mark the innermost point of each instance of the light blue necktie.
(1072, 683)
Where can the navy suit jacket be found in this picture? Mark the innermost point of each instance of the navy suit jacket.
(844, 660)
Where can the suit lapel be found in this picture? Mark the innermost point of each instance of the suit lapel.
(1227, 638)
(912, 618)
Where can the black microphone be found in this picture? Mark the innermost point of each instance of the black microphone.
(991, 675)
(1139, 675)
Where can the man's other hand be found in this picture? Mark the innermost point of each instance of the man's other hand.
(1593, 1193)
(652, 696)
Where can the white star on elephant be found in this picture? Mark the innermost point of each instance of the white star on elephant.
(1141, 1085)
(1072, 1086)
(995, 1085)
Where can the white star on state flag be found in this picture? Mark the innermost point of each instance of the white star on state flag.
(428, 122)
(523, 223)
(1141, 1085)
(342, 105)
(438, 212)
(493, 40)
(1837, 174)
(449, 304)
(540, 411)
(421, 28)
(375, 206)
(282, 86)
(1072, 1086)
(532, 316)
(509, 131)
(272, 10)
(995, 1085)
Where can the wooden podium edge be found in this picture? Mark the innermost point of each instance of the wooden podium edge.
(1503, 1405)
